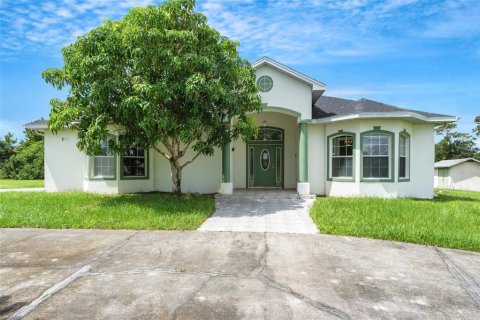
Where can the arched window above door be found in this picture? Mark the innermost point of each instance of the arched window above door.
(269, 134)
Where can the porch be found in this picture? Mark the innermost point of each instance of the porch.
(277, 158)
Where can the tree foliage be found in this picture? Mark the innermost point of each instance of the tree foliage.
(455, 145)
(476, 130)
(25, 161)
(160, 77)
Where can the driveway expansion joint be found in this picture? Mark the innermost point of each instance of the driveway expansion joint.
(463, 278)
(23, 311)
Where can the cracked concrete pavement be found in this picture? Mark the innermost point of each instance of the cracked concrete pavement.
(97, 274)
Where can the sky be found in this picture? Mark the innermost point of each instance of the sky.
(421, 55)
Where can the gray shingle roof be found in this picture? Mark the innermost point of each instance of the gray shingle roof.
(326, 107)
(37, 124)
(451, 163)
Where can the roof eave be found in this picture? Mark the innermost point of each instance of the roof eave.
(35, 126)
(388, 115)
(316, 85)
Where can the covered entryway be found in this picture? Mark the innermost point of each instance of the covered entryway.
(265, 159)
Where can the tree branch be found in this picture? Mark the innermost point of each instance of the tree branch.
(190, 161)
(162, 153)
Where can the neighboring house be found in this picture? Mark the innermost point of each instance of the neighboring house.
(463, 174)
(309, 142)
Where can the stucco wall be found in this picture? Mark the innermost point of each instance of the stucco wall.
(287, 92)
(204, 175)
(420, 184)
(63, 162)
(465, 176)
(290, 167)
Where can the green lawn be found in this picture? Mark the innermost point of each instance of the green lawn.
(452, 219)
(153, 211)
(13, 184)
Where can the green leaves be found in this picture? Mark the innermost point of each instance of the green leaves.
(160, 75)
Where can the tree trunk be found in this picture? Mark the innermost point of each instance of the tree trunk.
(176, 169)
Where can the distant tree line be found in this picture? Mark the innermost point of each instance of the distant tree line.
(21, 160)
(457, 145)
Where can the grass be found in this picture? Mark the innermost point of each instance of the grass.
(451, 220)
(15, 184)
(152, 211)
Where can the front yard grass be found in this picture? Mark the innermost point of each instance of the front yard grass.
(151, 211)
(451, 220)
(15, 184)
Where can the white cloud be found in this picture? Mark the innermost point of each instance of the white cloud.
(293, 31)
(48, 26)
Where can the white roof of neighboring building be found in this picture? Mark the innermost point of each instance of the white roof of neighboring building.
(451, 163)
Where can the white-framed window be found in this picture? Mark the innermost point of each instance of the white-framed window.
(341, 156)
(135, 163)
(103, 165)
(377, 155)
(404, 156)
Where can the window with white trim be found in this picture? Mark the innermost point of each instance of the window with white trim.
(103, 165)
(341, 156)
(404, 156)
(134, 162)
(377, 153)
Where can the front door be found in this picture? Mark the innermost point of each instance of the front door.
(265, 159)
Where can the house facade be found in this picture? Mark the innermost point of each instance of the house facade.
(307, 141)
(461, 174)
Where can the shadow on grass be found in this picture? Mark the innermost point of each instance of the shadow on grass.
(445, 198)
(162, 203)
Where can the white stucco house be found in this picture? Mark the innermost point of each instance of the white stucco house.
(462, 174)
(310, 142)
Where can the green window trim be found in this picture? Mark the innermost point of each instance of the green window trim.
(91, 167)
(147, 168)
(406, 135)
(265, 83)
(391, 162)
(90, 170)
(329, 155)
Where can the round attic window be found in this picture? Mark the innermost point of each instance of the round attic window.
(265, 83)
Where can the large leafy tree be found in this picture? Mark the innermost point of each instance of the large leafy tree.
(160, 77)
(7, 145)
(455, 145)
(26, 158)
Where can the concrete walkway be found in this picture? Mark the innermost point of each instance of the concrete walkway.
(22, 190)
(127, 274)
(261, 210)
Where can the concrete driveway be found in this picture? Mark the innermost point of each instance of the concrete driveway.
(92, 274)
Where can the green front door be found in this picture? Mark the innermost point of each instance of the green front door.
(265, 166)
(265, 159)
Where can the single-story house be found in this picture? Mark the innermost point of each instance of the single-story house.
(310, 142)
(463, 174)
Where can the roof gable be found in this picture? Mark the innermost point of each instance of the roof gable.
(318, 87)
(452, 163)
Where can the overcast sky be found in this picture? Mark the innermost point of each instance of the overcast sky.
(417, 54)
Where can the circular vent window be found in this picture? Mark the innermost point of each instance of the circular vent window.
(265, 83)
